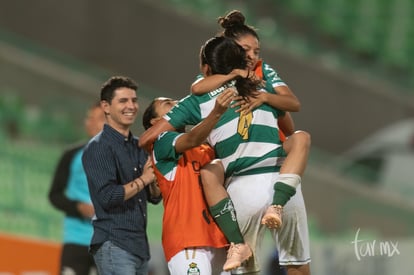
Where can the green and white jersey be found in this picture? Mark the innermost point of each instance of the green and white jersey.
(164, 154)
(258, 154)
(271, 76)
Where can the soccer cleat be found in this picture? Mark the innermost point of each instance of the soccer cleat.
(236, 255)
(273, 217)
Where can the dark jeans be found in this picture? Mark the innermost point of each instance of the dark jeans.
(112, 260)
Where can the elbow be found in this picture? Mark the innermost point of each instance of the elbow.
(295, 107)
(141, 143)
(196, 89)
(303, 140)
(143, 140)
(144, 145)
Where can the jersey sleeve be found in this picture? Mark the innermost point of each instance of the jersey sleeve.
(164, 146)
(198, 78)
(272, 80)
(186, 112)
(272, 76)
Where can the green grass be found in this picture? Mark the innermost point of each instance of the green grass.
(154, 227)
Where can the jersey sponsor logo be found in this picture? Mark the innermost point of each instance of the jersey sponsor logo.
(222, 88)
(193, 269)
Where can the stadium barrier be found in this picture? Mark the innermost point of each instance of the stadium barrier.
(26, 256)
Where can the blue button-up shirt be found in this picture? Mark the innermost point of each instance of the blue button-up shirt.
(111, 160)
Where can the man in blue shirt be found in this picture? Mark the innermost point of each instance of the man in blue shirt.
(121, 181)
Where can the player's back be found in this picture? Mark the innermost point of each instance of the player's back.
(256, 154)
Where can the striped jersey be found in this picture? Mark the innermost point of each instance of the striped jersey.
(272, 80)
(267, 73)
(258, 154)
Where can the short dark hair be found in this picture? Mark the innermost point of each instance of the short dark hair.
(149, 114)
(115, 82)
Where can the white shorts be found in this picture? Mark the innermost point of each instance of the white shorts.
(293, 238)
(251, 195)
(199, 260)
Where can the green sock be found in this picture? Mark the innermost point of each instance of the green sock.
(225, 216)
(283, 193)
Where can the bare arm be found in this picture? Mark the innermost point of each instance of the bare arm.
(137, 185)
(149, 179)
(209, 83)
(148, 137)
(199, 133)
(155, 190)
(284, 100)
(289, 98)
(286, 124)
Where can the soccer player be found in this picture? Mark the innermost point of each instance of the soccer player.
(190, 237)
(281, 97)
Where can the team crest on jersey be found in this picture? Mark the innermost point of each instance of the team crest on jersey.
(245, 120)
(193, 269)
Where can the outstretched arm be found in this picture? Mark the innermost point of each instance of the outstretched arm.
(148, 137)
(284, 99)
(199, 133)
(212, 82)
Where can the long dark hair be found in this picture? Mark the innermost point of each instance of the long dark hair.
(223, 55)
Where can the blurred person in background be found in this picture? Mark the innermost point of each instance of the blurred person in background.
(121, 181)
(69, 193)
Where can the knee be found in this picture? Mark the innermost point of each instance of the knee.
(205, 172)
(214, 167)
(212, 172)
(302, 138)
